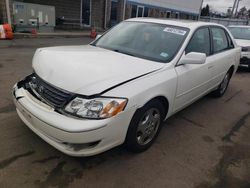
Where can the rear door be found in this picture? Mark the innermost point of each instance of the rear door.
(223, 54)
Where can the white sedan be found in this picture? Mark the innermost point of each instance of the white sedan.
(84, 100)
(242, 38)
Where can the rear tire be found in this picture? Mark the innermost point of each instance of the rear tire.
(221, 90)
(145, 127)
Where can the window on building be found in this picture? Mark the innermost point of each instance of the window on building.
(134, 11)
(168, 14)
(114, 5)
(86, 12)
(200, 42)
(220, 41)
(177, 15)
(140, 11)
(145, 12)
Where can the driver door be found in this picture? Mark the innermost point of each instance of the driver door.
(194, 79)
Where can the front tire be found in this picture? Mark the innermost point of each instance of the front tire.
(145, 127)
(220, 91)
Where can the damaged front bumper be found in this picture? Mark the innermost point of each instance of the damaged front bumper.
(75, 137)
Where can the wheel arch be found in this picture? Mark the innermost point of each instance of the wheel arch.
(162, 100)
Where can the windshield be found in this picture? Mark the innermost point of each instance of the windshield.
(240, 32)
(145, 40)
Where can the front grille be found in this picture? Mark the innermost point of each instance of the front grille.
(245, 49)
(48, 93)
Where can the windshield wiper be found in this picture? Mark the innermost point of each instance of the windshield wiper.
(122, 52)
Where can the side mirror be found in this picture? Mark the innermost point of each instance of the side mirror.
(97, 36)
(193, 58)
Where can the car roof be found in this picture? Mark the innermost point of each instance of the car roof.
(191, 24)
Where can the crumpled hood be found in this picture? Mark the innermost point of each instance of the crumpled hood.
(88, 70)
(242, 43)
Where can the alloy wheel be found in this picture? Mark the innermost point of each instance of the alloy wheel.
(148, 126)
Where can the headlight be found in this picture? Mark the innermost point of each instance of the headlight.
(99, 108)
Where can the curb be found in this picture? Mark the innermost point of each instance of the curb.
(50, 35)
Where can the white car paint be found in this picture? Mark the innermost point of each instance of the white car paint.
(89, 70)
(241, 42)
(104, 67)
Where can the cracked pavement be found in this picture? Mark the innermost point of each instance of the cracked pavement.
(206, 145)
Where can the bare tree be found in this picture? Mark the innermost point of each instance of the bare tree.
(242, 13)
(205, 11)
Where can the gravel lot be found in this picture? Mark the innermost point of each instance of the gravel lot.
(207, 145)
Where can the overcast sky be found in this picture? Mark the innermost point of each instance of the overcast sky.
(222, 5)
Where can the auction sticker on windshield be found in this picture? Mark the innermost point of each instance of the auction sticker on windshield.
(175, 31)
(163, 54)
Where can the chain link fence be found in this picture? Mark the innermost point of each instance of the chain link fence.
(225, 21)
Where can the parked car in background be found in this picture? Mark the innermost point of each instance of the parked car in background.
(84, 100)
(242, 37)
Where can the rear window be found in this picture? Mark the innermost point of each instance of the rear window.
(240, 32)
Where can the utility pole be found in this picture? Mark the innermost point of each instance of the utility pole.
(124, 9)
(7, 2)
(237, 7)
(200, 10)
(232, 14)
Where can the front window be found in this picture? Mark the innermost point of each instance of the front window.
(200, 42)
(240, 32)
(150, 41)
